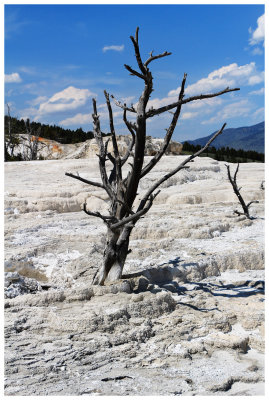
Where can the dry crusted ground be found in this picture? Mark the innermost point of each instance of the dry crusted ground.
(186, 319)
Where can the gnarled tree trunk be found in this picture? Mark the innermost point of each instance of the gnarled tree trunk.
(115, 253)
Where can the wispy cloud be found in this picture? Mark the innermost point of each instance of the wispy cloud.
(257, 36)
(257, 51)
(38, 100)
(258, 92)
(27, 70)
(114, 48)
(231, 110)
(13, 24)
(13, 78)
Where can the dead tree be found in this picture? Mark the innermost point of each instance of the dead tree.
(122, 191)
(236, 190)
(31, 143)
(11, 139)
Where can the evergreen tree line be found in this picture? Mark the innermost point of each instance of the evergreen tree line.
(226, 153)
(53, 132)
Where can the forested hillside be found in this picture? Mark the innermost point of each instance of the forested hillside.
(245, 138)
(225, 153)
(52, 132)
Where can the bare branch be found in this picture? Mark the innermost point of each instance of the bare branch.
(116, 173)
(124, 107)
(251, 202)
(97, 184)
(181, 166)
(131, 128)
(137, 52)
(114, 140)
(238, 194)
(235, 174)
(152, 58)
(102, 153)
(105, 218)
(160, 110)
(169, 133)
(134, 72)
(135, 216)
(238, 212)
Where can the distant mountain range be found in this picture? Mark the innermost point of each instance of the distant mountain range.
(245, 138)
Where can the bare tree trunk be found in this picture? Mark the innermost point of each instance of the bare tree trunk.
(115, 253)
(10, 145)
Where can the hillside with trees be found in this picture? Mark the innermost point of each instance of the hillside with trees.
(245, 138)
(53, 132)
(225, 153)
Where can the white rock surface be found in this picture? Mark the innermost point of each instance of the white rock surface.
(188, 317)
(52, 150)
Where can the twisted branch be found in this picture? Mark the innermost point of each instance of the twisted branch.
(97, 184)
(161, 110)
(169, 133)
(152, 58)
(135, 216)
(137, 52)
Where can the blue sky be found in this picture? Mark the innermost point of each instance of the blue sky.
(57, 57)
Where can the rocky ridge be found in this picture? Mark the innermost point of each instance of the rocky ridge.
(52, 150)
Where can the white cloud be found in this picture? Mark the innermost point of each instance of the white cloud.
(257, 36)
(229, 75)
(258, 92)
(236, 109)
(70, 98)
(78, 119)
(29, 112)
(188, 115)
(12, 78)
(256, 79)
(82, 119)
(157, 103)
(114, 48)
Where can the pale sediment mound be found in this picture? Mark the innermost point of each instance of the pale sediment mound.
(53, 150)
(188, 316)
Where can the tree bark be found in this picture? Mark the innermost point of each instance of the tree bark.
(115, 253)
